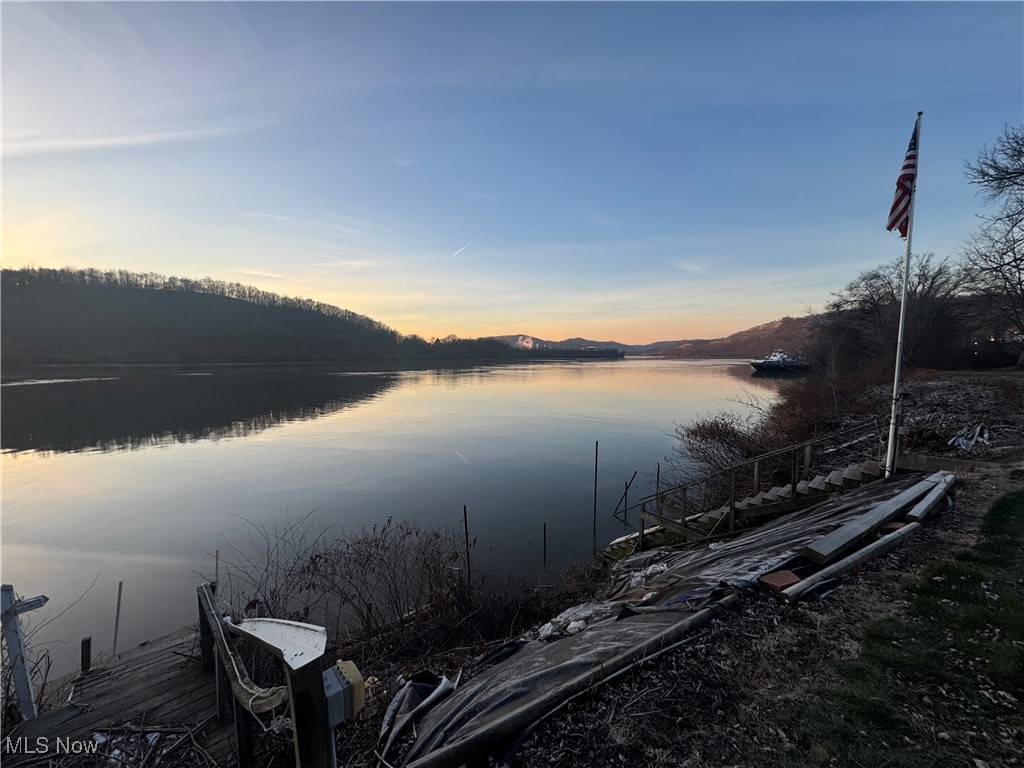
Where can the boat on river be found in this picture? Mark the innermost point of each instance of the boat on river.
(779, 362)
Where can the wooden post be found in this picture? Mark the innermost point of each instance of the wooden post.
(222, 686)
(807, 462)
(117, 619)
(314, 742)
(10, 607)
(682, 505)
(625, 502)
(86, 654)
(757, 477)
(206, 663)
(243, 734)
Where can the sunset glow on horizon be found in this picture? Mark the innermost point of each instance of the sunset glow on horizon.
(621, 172)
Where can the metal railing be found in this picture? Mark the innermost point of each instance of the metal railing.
(677, 506)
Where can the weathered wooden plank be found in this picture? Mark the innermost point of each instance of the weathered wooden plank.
(929, 502)
(114, 708)
(872, 468)
(819, 483)
(671, 526)
(884, 544)
(159, 686)
(831, 547)
(835, 479)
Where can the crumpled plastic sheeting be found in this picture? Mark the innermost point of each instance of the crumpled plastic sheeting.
(537, 667)
(417, 697)
(688, 581)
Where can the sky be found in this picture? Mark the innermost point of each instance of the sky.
(633, 172)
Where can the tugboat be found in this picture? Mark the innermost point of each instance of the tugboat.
(778, 362)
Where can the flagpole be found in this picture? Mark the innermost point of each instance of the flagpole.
(890, 456)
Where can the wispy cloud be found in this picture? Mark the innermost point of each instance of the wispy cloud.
(351, 263)
(34, 144)
(692, 267)
(258, 273)
(330, 225)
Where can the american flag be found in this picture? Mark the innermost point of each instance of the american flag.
(899, 214)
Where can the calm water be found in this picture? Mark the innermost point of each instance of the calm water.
(140, 477)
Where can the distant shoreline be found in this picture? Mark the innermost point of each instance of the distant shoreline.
(22, 371)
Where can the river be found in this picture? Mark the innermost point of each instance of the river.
(141, 475)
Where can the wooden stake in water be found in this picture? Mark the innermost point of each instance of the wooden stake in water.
(117, 618)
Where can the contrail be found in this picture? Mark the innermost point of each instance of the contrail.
(465, 246)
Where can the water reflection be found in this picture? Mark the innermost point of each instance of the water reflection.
(135, 411)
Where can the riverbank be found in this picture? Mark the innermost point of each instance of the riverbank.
(742, 691)
(847, 680)
(724, 697)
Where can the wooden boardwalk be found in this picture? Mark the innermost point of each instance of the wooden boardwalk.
(158, 686)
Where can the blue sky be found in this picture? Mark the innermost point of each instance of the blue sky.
(627, 171)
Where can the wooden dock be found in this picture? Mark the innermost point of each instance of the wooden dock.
(151, 698)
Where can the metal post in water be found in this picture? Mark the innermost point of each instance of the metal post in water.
(469, 568)
(117, 618)
(595, 497)
(86, 654)
(545, 545)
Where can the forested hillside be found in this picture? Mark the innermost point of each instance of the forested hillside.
(88, 316)
(791, 334)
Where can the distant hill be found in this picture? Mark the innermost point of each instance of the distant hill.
(525, 341)
(68, 316)
(90, 317)
(791, 334)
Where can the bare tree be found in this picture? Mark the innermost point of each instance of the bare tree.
(995, 253)
(999, 170)
(995, 263)
(872, 304)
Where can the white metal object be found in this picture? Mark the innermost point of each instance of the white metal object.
(890, 455)
(294, 643)
(10, 607)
